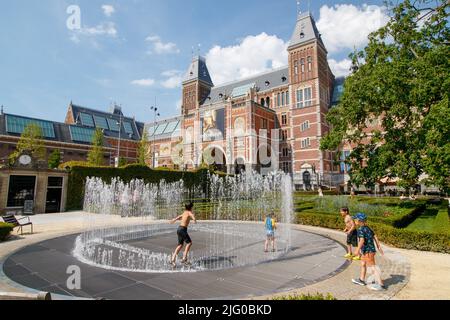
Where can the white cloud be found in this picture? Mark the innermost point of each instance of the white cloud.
(345, 26)
(107, 29)
(104, 29)
(143, 82)
(253, 55)
(159, 47)
(340, 68)
(174, 79)
(108, 10)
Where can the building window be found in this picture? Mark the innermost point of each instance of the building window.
(278, 100)
(287, 98)
(263, 102)
(309, 64)
(21, 188)
(268, 102)
(345, 168)
(304, 98)
(305, 126)
(306, 143)
(285, 152)
(303, 65)
(263, 124)
(296, 67)
(283, 99)
(285, 166)
(284, 119)
(284, 135)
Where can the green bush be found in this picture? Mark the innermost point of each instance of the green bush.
(400, 238)
(390, 211)
(317, 297)
(5, 230)
(78, 175)
(442, 221)
(71, 164)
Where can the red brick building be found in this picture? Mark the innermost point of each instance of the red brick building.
(283, 109)
(73, 138)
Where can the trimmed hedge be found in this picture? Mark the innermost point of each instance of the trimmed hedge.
(399, 218)
(79, 174)
(400, 238)
(5, 230)
(311, 297)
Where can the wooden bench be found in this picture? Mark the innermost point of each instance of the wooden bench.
(17, 222)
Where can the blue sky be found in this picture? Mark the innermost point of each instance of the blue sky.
(131, 51)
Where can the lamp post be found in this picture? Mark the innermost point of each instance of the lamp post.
(156, 114)
(118, 145)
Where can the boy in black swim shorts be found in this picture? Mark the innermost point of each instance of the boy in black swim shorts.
(182, 233)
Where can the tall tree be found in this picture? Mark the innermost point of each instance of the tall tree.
(402, 79)
(96, 154)
(32, 142)
(143, 149)
(54, 160)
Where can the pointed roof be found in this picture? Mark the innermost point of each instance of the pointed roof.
(198, 71)
(305, 31)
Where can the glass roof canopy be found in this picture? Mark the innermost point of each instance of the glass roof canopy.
(80, 134)
(242, 91)
(165, 128)
(17, 125)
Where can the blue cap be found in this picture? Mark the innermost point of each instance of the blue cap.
(360, 216)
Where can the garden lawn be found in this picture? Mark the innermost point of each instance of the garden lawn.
(435, 219)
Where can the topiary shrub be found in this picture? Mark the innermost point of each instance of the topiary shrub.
(79, 174)
(400, 238)
(5, 230)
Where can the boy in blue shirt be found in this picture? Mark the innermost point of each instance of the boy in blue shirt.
(367, 246)
(271, 226)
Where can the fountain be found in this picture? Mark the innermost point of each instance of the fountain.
(230, 232)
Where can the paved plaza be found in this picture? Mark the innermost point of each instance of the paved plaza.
(38, 262)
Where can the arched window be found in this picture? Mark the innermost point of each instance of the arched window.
(239, 127)
(278, 100)
(268, 102)
(309, 64)
(303, 65)
(263, 102)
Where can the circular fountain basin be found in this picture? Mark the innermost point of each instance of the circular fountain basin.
(148, 248)
(245, 271)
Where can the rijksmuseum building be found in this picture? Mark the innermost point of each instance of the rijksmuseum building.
(274, 120)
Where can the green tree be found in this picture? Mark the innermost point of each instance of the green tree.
(31, 141)
(402, 79)
(54, 160)
(96, 154)
(143, 149)
(122, 162)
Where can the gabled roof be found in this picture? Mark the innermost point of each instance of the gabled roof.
(305, 31)
(198, 71)
(13, 125)
(132, 131)
(262, 82)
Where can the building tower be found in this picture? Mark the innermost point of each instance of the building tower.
(311, 84)
(197, 85)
